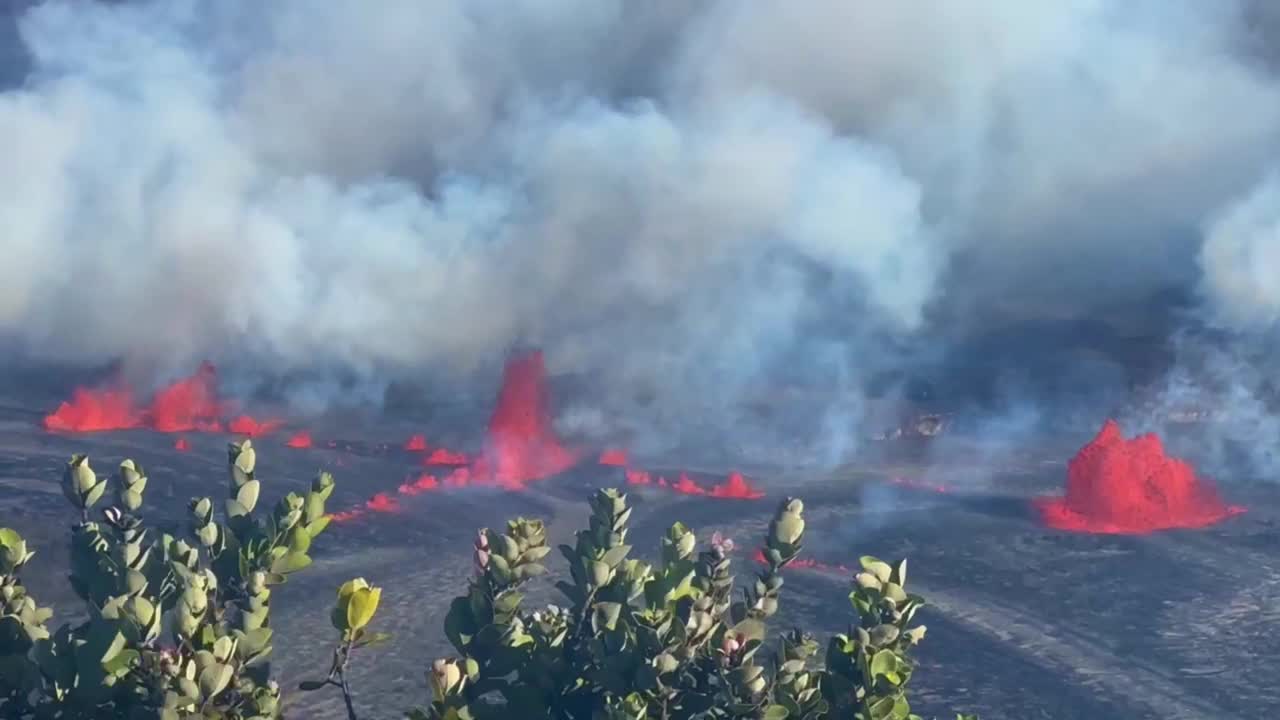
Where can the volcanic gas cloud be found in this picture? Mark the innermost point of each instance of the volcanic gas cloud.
(1124, 486)
(189, 404)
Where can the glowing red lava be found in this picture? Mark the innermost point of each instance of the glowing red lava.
(416, 443)
(94, 410)
(423, 483)
(614, 457)
(188, 404)
(521, 443)
(381, 503)
(299, 440)
(1124, 486)
(441, 456)
(181, 445)
(736, 487)
(245, 425)
(687, 486)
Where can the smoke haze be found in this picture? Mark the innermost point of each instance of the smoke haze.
(687, 198)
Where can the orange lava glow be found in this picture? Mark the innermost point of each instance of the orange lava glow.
(299, 440)
(248, 426)
(614, 457)
(441, 456)
(416, 443)
(190, 404)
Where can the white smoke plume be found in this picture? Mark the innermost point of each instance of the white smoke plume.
(679, 195)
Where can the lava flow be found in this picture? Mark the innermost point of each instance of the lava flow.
(416, 443)
(735, 487)
(1124, 486)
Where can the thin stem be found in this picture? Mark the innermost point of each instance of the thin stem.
(345, 657)
(346, 697)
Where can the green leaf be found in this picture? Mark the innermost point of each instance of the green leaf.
(605, 614)
(788, 529)
(317, 526)
(614, 556)
(374, 640)
(120, 662)
(214, 679)
(363, 604)
(299, 539)
(751, 629)
(290, 563)
(884, 662)
(776, 712)
(876, 567)
(114, 647)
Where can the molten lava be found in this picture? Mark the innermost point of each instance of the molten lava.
(441, 456)
(181, 445)
(614, 457)
(736, 487)
(299, 440)
(521, 444)
(95, 410)
(1124, 486)
(188, 404)
(423, 483)
(687, 486)
(245, 425)
(416, 443)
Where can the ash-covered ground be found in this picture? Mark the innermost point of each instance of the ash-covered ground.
(1024, 621)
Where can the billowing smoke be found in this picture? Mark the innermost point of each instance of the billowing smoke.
(681, 198)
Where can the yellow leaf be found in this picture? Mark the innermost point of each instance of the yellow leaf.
(364, 603)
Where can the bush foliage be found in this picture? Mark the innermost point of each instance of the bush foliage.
(180, 627)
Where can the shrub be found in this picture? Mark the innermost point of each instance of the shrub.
(637, 641)
(213, 593)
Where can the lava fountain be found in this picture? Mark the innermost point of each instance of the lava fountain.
(521, 443)
(1124, 486)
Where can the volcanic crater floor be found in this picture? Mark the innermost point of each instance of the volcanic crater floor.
(1024, 621)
